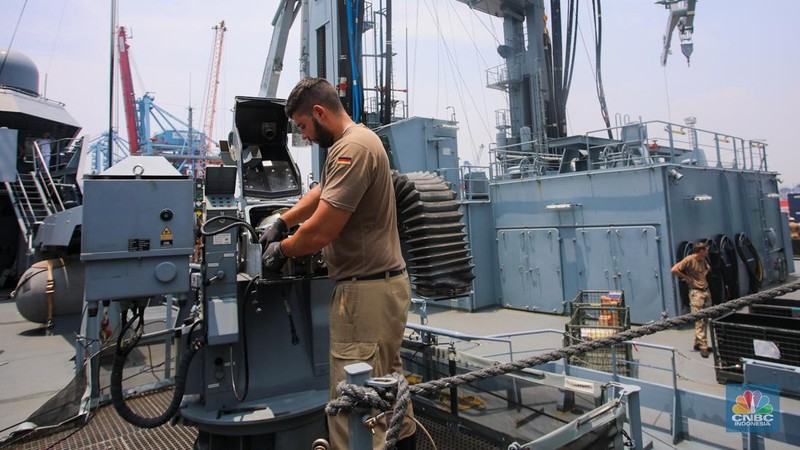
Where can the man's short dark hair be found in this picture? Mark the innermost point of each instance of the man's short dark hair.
(698, 246)
(309, 92)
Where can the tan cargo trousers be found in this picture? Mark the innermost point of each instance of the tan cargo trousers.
(367, 321)
(699, 299)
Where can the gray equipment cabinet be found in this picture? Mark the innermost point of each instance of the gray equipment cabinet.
(138, 230)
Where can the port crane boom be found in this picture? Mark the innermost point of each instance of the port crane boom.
(213, 83)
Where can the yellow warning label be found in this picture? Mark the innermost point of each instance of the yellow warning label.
(166, 234)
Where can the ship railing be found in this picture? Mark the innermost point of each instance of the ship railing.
(470, 183)
(672, 394)
(519, 160)
(656, 142)
(30, 94)
(51, 194)
(62, 152)
(22, 206)
(497, 77)
(630, 145)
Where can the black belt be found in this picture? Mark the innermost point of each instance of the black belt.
(698, 289)
(379, 275)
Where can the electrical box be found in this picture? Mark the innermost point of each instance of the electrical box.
(138, 230)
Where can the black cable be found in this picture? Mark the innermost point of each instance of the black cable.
(121, 356)
(237, 222)
(243, 327)
(191, 330)
(572, 40)
(752, 262)
(598, 38)
(716, 276)
(730, 270)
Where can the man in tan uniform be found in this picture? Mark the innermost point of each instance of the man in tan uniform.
(693, 270)
(352, 216)
(794, 228)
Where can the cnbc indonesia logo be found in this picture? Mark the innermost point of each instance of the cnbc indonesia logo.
(752, 409)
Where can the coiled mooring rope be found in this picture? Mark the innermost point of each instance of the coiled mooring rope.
(354, 396)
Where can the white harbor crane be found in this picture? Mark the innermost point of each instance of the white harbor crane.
(210, 107)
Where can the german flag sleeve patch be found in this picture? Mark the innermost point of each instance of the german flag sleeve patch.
(344, 160)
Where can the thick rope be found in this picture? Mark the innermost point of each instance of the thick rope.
(352, 396)
(400, 408)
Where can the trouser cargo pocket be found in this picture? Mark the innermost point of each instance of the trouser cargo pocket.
(345, 353)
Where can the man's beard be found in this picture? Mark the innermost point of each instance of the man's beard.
(324, 136)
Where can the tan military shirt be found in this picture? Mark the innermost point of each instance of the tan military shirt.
(357, 178)
(696, 271)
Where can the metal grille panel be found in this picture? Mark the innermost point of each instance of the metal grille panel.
(106, 430)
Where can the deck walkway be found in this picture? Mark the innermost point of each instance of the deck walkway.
(35, 365)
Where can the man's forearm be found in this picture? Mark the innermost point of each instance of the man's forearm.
(303, 209)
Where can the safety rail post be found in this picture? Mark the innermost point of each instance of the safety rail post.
(360, 436)
(679, 423)
(671, 143)
(719, 155)
(589, 161)
(168, 339)
(451, 370)
(614, 374)
(635, 418)
(735, 155)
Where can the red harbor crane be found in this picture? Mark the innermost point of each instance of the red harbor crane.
(127, 90)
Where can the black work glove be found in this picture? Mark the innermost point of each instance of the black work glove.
(273, 257)
(275, 231)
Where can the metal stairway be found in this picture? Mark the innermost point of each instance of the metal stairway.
(34, 196)
(30, 204)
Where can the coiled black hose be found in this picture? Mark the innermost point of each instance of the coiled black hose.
(235, 222)
(684, 249)
(749, 255)
(121, 355)
(730, 268)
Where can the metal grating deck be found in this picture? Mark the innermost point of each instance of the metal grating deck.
(106, 430)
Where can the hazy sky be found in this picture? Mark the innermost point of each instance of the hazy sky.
(742, 80)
